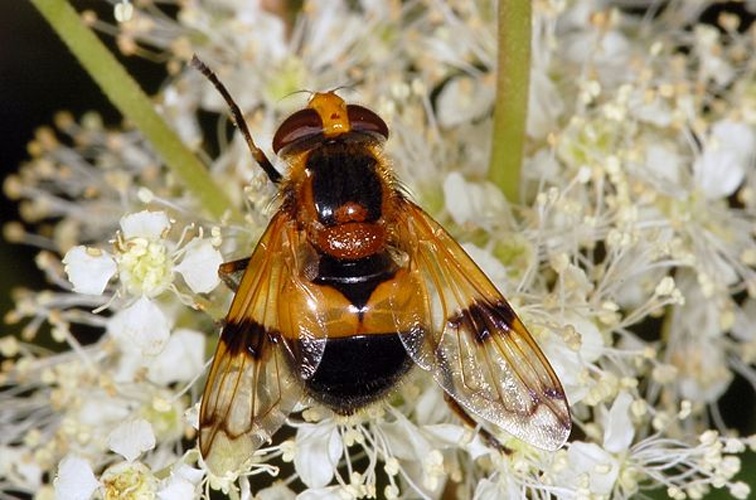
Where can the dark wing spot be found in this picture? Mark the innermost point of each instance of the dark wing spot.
(247, 336)
(482, 319)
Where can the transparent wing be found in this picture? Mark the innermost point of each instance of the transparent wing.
(251, 387)
(478, 350)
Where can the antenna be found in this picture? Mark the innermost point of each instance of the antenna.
(238, 118)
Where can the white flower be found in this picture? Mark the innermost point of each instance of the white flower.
(75, 479)
(329, 493)
(141, 327)
(663, 165)
(145, 224)
(486, 488)
(199, 267)
(177, 489)
(472, 203)
(545, 105)
(144, 260)
(728, 152)
(144, 267)
(462, 100)
(591, 469)
(132, 479)
(132, 438)
(319, 449)
(181, 484)
(278, 491)
(700, 354)
(89, 269)
(653, 109)
(572, 361)
(600, 45)
(619, 430)
(182, 358)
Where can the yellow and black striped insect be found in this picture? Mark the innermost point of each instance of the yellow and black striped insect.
(351, 285)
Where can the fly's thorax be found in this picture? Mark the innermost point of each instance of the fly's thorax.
(345, 196)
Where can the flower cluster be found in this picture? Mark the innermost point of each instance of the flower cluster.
(631, 255)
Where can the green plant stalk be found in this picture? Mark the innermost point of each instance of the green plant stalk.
(512, 85)
(135, 105)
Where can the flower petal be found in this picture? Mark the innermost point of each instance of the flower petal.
(181, 359)
(463, 99)
(278, 491)
(319, 449)
(181, 484)
(589, 460)
(199, 267)
(545, 105)
(75, 479)
(89, 269)
(131, 438)
(721, 167)
(619, 431)
(177, 489)
(330, 493)
(472, 202)
(142, 326)
(145, 224)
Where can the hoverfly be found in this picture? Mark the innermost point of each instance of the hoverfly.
(350, 286)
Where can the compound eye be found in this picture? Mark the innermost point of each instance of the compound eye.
(363, 120)
(303, 124)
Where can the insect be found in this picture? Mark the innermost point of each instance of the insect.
(351, 285)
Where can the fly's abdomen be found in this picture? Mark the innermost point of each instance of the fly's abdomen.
(361, 365)
(358, 370)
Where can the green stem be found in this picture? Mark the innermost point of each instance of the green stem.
(135, 105)
(512, 84)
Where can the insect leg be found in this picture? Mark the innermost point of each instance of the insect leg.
(489, 438)
(231, 272)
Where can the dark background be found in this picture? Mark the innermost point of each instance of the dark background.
(38, 77)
